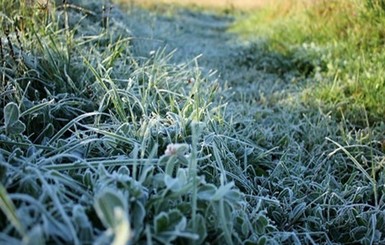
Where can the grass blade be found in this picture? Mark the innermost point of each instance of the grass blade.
(9, 209)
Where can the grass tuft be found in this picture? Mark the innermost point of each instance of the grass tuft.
(86, 131)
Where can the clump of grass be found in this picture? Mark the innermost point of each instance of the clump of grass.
(342, 40)
(86, 132)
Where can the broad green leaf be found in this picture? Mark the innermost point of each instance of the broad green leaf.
(11, 114)
(124, 170)
(170, 164)
(242, 225)
(178, 183)
(262, 240)
(234, 196)
(171, 225)
(173, 220)
(201, 228)
(278, 216)
(297, 211)
(111, 208)
(177, 220)
(161, 222)
(261, 224)
(105, 205)
(17, 127)
(87, 178)
(206, 192)
(138, 214)
(222, 191)
(249, 242)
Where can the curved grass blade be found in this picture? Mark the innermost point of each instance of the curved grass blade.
(9, 209)
(71, 123)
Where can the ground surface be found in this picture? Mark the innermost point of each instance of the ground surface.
(205, 36)
(238, 4)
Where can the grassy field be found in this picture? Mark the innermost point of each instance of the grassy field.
(341, 42)
(190, 127)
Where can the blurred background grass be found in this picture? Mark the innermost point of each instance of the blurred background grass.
(342, 43)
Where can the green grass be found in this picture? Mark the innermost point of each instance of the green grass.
(340, 41)
(101, 145)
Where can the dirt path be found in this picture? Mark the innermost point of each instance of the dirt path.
(242, 5)
(224, 4)
(198, 33)
(191, 33)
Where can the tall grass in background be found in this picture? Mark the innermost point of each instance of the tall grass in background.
(342, 43)
(336, 50)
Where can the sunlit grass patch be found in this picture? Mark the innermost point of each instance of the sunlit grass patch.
(342, 40)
